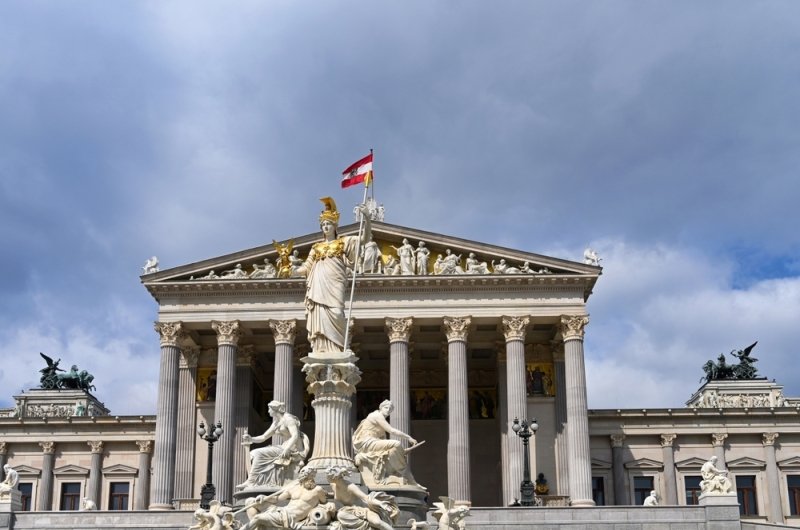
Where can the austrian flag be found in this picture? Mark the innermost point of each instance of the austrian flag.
(360, 171)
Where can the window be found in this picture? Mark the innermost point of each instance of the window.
(118, 496)
(70, 496)
(746, 491)
(598, 491)
(692, 488)
(793, 481)
(642, 486)
(26, 488)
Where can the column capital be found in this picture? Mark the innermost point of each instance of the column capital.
(170, 333)
(617, 440)
(48, 448)
(572, 326)
(668, 439)
(514, 327)
(456, 328)
(768, 438)
(145, 446)
(228, 332)
(718, 439)
(96, 445)
(189, 356)
(399, 329)
(284, 331)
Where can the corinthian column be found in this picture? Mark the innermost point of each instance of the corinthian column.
(718, 443)
(502, 419)
(143, 480)
(458, 475)
(284, 332)
(244, 398)
(773, 482)
(514, 333)
(170, 333)
(95, 471)
(185, 435)
(580, 465)
(399, 331)
(562, 428)
(670, 482)
(618, 469)
(45, 503)
(227, 340)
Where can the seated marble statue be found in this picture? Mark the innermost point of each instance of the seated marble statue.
(476, 267)
(356, 509)
(301, 496)
(381, 461)
(715, 481)
(268, 271)
(10, 482)
(651, 500)
(235, 273)
(275, 465)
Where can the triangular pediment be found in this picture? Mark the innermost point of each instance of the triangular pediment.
(691, 463)
(27, 471)
(745, 462)
(258, 264)
(120, 469)
(644, 463)
(600, 464)
(793, 462)
(70, 469)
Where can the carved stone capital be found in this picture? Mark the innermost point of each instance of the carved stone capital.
(284, 331)
(768, 438)
(572, 326)
(48, 448)
(145, 446)
(668, 439)
(456, 328)
(189, 357)
(96, 445)
(718, 439)
(3, 448)
(245, 355)
(399, 329)
(228, 332)
(514, 327)
(170, 333)
(617, 440)
(332, 380)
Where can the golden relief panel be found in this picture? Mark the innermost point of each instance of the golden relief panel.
(540, 379)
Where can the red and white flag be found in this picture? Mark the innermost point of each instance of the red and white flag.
(358, 172)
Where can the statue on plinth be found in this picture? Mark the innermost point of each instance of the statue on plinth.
(358, 510)
(275, 465)
(382, 461)
(715, 481)
(651, 500)
(9, 483)
(302, 496)
(88, 505)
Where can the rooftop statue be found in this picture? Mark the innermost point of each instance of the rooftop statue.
(721, 370)
(422, 255)
(405, 253)
(150, 266)
(74, 379)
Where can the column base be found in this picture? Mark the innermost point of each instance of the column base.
(161, 507)
(582, 503)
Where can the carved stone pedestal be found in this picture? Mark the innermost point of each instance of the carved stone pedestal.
(11, 502)
(333, 382)
(411, 500)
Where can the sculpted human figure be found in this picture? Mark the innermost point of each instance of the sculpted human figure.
(235, 273)
(268, 271)
(372, 254)
(474, 266)
(301, 497)
(405, 254)
(357, 510)
(715, 481)
(326, 284)
(392, 267)
(452, 263)
(422, 254)
(10, 482)
(438, 265)
(450, 515)
(381, 459)
(218, 517)
(275, 465)
(651, 500)
(504, 268)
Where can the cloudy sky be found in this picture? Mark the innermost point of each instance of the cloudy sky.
(663, 134)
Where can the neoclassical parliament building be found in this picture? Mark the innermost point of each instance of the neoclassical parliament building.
(463, 337)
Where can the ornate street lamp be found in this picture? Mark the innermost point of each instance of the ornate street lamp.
(525, 430)
(208, 491)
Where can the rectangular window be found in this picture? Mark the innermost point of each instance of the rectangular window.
(793, 481)
(598, 491)
(642, 486)
(746, 491)
(70, 496)
(692, 488)
(118, 496)
(26, 488)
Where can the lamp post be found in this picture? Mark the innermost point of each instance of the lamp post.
(208, 491)
(525, 430)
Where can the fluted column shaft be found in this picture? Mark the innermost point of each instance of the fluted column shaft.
(46, 485)
(95, 472)
(514, 332)
(225, 407)
(502, 422)
(142, 499)
(458, 471)
(773, 480)
(718, 442)
(670, 481)
(186, 439)
(562, 427)
(3, 458)
(399, 331)
(284, 332)
(166, 416)
(580, 465)
(618, 470)
(244, 398)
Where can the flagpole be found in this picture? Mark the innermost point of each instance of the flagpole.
(355, 265)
